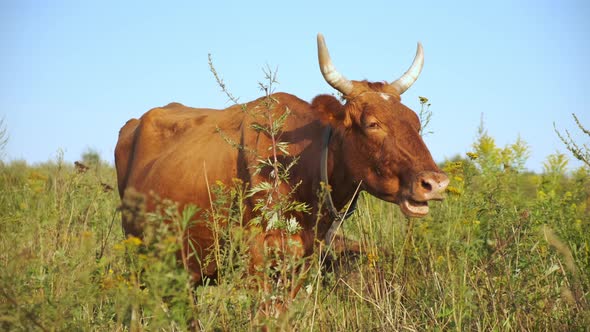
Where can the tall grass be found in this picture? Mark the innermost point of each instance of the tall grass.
(478, 262)
(508, 250)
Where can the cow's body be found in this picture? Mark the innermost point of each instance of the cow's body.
(176, 152)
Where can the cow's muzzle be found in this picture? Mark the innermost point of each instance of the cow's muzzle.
(429, 186)
(425, 187)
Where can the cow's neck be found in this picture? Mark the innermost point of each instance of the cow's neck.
(343, 187)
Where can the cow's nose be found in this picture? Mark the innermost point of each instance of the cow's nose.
(430, 186)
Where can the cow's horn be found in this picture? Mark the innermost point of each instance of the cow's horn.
(409, 77)
(331, 75)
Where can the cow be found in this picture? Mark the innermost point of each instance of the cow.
(368, 142)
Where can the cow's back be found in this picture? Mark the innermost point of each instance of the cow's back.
(168, 150)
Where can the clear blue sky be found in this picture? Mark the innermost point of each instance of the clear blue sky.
(73, 72)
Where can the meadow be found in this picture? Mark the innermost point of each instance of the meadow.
(508, 250)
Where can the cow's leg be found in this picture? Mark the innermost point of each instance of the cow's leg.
(342, 252)
(277, 258)
(345, 246)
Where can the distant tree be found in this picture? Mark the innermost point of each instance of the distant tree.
(556, 164)
(554, 172)
(491, 158)
(580, 152)
(91, 157)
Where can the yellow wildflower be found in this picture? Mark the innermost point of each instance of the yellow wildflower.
(453, 167)
(373, 259)
(133, 240)
(170, 239)
(454, 191)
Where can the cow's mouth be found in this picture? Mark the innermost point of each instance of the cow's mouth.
(412, 208)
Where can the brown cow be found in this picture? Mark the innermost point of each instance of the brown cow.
(371, 142)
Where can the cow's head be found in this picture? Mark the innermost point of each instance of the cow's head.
(381, 137)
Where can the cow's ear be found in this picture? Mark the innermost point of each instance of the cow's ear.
(331, 111)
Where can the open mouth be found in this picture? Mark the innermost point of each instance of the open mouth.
(412, 208)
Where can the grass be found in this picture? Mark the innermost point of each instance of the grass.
(508, 250)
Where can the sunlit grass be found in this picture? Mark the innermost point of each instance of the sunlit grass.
(507, 250)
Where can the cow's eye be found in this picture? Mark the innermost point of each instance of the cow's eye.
(373, 125)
